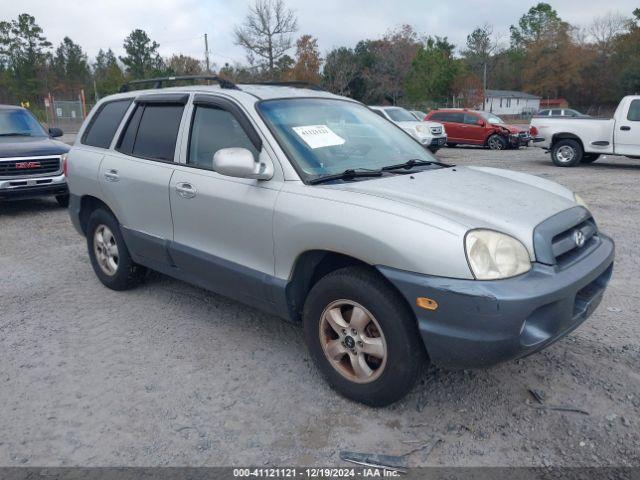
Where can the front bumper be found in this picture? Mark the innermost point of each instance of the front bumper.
(433, 142)
(517, 140)
(18, 188)
(481, 323)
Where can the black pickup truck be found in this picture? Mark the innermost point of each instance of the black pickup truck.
(31, 161)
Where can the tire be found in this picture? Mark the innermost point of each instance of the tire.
(590, 157)
(566, 153)
(452, 145)
(63, 200)
(400, 354)
(496, 142)
(117, 272)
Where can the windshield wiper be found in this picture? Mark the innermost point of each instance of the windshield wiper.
(15, 134)
(409, 164)
(348, 174)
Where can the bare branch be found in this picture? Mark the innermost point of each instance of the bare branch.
(266, 31)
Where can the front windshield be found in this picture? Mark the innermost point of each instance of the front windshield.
(491, 118)
(19, 123)
(324, 137)
(400, 115)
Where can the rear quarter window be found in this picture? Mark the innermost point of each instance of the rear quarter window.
(103, 125)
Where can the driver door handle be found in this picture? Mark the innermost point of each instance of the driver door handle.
(111, 175)
(186, 190)
(625, 128)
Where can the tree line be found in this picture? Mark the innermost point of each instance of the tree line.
(591, 65)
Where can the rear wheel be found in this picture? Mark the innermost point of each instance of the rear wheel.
(590, 157)
(363, 336)
(566, 153)
(496, 142)
(109, 255)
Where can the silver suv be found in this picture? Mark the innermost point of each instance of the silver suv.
(310, 206)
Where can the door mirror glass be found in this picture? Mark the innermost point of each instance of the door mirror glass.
(240, 163)
(481, 123)
(55, 132)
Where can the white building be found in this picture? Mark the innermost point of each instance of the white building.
(509, 102)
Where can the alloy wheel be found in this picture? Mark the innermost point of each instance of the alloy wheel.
(495, 143)
(565, 154)
(353, 341)
(106, 249)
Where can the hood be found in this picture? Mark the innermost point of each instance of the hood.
(511, 128)
(410, 126)
(31, 147)
(475, 197)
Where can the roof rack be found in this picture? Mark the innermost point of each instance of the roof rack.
(292, 83)
(159, 81)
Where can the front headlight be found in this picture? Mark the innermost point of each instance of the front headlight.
(494, 255)
(580, 201)
(422, 129)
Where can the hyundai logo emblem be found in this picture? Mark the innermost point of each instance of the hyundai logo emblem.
(578, 238)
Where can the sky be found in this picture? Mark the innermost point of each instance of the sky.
(179, 25)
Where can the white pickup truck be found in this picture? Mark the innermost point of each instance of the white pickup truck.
(572, 141)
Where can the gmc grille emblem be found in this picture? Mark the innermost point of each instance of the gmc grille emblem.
(578, 238)
(24, 165)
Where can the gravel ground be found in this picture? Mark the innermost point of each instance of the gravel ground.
(169, 374)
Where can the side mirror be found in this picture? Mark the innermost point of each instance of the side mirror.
(481, 123)
(240, 163)
(55, 132)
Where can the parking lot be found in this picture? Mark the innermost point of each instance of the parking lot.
(169, 374)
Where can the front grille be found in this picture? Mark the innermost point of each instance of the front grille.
(29, 166)
(436, 130)
(571, 244)
(566, 237)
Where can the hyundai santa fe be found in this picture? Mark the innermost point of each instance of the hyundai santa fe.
(310, 206)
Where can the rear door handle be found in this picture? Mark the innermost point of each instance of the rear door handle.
(111, 176)
(625, 128)
(186, 190)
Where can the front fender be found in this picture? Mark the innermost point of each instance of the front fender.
(304, 223)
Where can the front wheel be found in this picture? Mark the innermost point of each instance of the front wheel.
(363, 336)
(496, 142)
(566, 153)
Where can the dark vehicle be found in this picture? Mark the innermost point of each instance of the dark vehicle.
(31, 161)
(474, 127)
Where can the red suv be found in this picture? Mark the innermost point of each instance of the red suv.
(473, 127)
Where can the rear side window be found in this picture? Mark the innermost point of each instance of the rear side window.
(455, 117)
(152, 132)
(634, 111)
(470, 119)
(437, 116)
(104, 123)
(543, 112)
(214, 129)
(556, 112)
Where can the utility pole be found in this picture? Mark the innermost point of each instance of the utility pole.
(484, 86)
(206, 52)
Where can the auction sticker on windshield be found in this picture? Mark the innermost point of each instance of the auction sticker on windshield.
(318, 136)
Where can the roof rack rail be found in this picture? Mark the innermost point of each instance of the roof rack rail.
(159, 81)
(292, 83)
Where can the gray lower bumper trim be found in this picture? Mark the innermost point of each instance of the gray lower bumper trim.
(479, 323)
